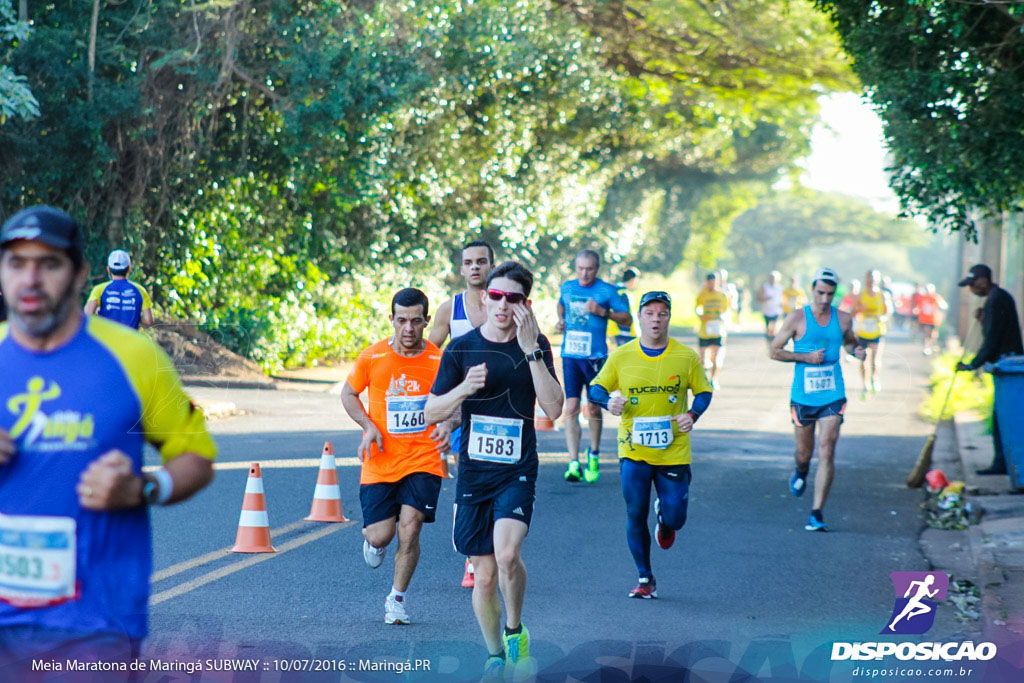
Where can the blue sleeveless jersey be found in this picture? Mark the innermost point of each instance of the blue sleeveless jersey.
(819, 385)
(108, 387)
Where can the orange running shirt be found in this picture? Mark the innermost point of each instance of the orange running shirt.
(929, 310)
(398, 386)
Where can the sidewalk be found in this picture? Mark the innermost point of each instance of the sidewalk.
(994, 554)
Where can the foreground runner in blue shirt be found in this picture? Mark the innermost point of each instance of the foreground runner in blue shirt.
(496, 375)
(79, 396)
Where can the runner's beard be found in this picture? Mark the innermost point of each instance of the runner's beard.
(42, 324)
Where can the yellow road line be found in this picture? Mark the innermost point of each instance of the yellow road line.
(199, 581)
(216, 554)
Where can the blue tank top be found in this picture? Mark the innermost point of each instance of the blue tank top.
(122, 301)
(460, 323)
(819, 385)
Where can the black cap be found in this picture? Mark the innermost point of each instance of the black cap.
(651, 297)
(43, 224)
(711, 276)
(980, 270)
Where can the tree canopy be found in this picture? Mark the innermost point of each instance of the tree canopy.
(273, 164)
(946, 78)
(777, 230)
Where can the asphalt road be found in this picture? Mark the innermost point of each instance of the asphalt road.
(745, 591)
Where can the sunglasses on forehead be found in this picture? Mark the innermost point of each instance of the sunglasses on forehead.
(511, 297)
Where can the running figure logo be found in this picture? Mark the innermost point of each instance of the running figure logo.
(917, 596)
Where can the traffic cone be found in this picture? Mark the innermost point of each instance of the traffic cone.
(253, 524)
(327, 496)
(542, 423)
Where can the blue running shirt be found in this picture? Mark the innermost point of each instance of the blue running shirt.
(585, 333)
(121, 300)
(819, 385)
(108, 387)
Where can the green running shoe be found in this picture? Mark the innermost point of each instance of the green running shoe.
(591, 474)
(572, 472)
(517, 645)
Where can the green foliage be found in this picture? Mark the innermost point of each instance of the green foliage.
(277, 168)
(16, 98)
(778, 229)
(946, 79)
(972, 391)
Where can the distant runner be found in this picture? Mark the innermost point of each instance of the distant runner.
(712, 308)
(769, 296)
(931, 311)
(459, 315)
(121, 299)
(629, 282)
(873, 310)
(585, 306)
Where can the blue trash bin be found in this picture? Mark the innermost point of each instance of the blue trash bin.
(1008, 373)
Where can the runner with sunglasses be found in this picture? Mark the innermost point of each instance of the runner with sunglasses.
(651, 376)
(585, 306)
(493, 376)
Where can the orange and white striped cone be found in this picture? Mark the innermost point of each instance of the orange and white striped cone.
(542, 423)
(253, 524)
(327, 496)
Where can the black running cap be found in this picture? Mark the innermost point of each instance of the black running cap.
(980, 270)
(651, 297)
(43, 224)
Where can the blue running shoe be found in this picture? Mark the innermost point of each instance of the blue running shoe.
(815, 524)
(798, 483)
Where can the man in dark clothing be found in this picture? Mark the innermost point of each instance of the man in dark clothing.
(1000, 330)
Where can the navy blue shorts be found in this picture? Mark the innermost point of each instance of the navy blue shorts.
(713, 341)
(578, 373)
(385, 500)
(865, 343)
(770, 319)
(621, 339)
(473, 527)
(803, 416)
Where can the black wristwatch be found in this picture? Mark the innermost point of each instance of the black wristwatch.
(536, 354)
(150, 490)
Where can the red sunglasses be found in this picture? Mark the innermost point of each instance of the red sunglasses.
(511, 297)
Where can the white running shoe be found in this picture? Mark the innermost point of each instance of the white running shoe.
(373, 556)
(394, 611)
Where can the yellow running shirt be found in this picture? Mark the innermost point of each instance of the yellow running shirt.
(655, 391)
(713, 306)
(793, 298)
(872, 309)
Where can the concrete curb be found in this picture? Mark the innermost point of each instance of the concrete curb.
(997, 542)
(217, 409)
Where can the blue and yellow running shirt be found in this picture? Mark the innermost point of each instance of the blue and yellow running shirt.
(585, 333)
(121, 300)
(107, 388)
(819, 385)
(655, 392)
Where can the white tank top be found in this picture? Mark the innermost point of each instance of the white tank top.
(459, 324)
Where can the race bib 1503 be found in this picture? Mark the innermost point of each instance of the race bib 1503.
(37, 560)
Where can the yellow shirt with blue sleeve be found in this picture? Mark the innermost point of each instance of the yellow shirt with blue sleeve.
(712, 307)
(655, 389)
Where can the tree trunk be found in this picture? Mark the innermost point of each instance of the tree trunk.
(93, 28)
(23, 10)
